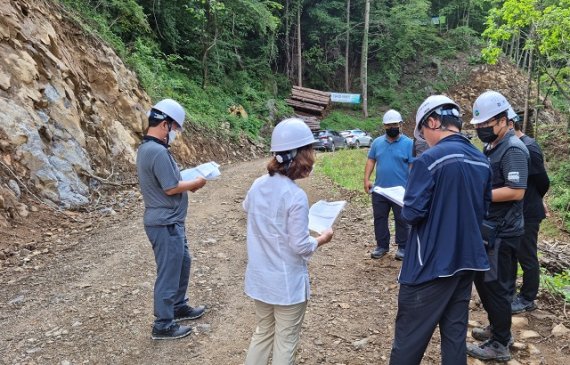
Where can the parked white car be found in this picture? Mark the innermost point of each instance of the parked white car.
(357, 138)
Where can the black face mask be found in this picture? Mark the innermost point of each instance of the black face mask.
(393, 132)
(486, 134)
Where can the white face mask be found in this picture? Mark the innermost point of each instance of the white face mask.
(171, 136)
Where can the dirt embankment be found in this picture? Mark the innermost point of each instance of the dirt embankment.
(86, 296)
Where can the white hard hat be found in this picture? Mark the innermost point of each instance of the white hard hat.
(431, 104)
(291, 134)
(511, 113)
(172, 109)
(487, 105)
(391, 117)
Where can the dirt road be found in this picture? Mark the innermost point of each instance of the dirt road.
(86, 297)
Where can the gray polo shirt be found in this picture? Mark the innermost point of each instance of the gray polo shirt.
(158, 172)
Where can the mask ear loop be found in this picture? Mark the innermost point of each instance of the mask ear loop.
(286, 158)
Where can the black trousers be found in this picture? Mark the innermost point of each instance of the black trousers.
(443, 301)
(381, 208)
(496, 295)
(526, 255)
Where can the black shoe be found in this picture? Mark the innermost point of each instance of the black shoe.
(171, 333)
(489, 350)
(378, 253)
(400, 254)
(520, 305)
(189, 313)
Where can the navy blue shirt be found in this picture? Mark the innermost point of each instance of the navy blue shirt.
(447, 196)
(392, 160)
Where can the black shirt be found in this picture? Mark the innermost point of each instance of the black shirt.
(538, 182)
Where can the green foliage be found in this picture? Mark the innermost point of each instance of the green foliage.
(345, 168)
(558, 284)
(559, 194)
(339, 121)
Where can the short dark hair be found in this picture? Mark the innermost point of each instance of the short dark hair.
(299, 168)
(156, 117)
(447, 120)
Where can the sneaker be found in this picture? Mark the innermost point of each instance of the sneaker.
(189, 313)
(520, 305)
(400, 254)
(489, 350)
(484, 333)
(378, 253)
(173, 332)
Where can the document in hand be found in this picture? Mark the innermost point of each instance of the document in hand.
(395, 194)
(208, 171)
(322, 214)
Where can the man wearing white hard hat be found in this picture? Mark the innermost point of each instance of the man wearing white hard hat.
(279, 246)
(391, 154)
(503, 226)
(448, 193)
(165, 197)
(534, 212)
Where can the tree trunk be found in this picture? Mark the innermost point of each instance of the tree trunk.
(299, 58)
(537, 104)
(288, 68)
(528, 86)
(346, 48)
(364, 60)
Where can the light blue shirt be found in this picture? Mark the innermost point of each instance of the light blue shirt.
(392, 160)
(278, 242)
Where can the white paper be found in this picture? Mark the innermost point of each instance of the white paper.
(209, 171)
(395, 194)
(322, 214)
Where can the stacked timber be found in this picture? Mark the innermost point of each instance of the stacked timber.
(309, 102)
(313, 122)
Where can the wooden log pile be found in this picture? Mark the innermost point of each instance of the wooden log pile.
(313, 122)
(309, 102)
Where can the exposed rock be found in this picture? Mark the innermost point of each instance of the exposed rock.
(519, 322)
(560, 330)
(525, 335)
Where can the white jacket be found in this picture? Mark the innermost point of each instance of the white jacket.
(278, 242)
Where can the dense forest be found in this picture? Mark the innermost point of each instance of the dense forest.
(213, 55)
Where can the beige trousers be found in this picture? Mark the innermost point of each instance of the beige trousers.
(278, 329)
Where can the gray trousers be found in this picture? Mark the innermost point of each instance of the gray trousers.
(172, 271)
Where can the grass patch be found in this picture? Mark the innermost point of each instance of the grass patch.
(346, 169)
(558, 284)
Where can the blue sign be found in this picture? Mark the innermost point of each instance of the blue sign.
(345, 98)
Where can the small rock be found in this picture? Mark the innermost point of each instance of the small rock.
(519, 322)
(533, 350)
(23, 210)
(474, 324)
(65, 362)
(560, 330)
(518, 346)
(18, 300)
(360, 344)
(344, 305)
(13, 185)
(513, 362)
(76, 324)
(525, 335)
(203, 327)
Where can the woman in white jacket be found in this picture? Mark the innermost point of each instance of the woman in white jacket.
(279, 245)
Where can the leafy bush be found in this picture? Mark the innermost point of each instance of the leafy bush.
(557, 284)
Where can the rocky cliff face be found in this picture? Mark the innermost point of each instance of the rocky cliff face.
(70, 110)
(69, 107)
